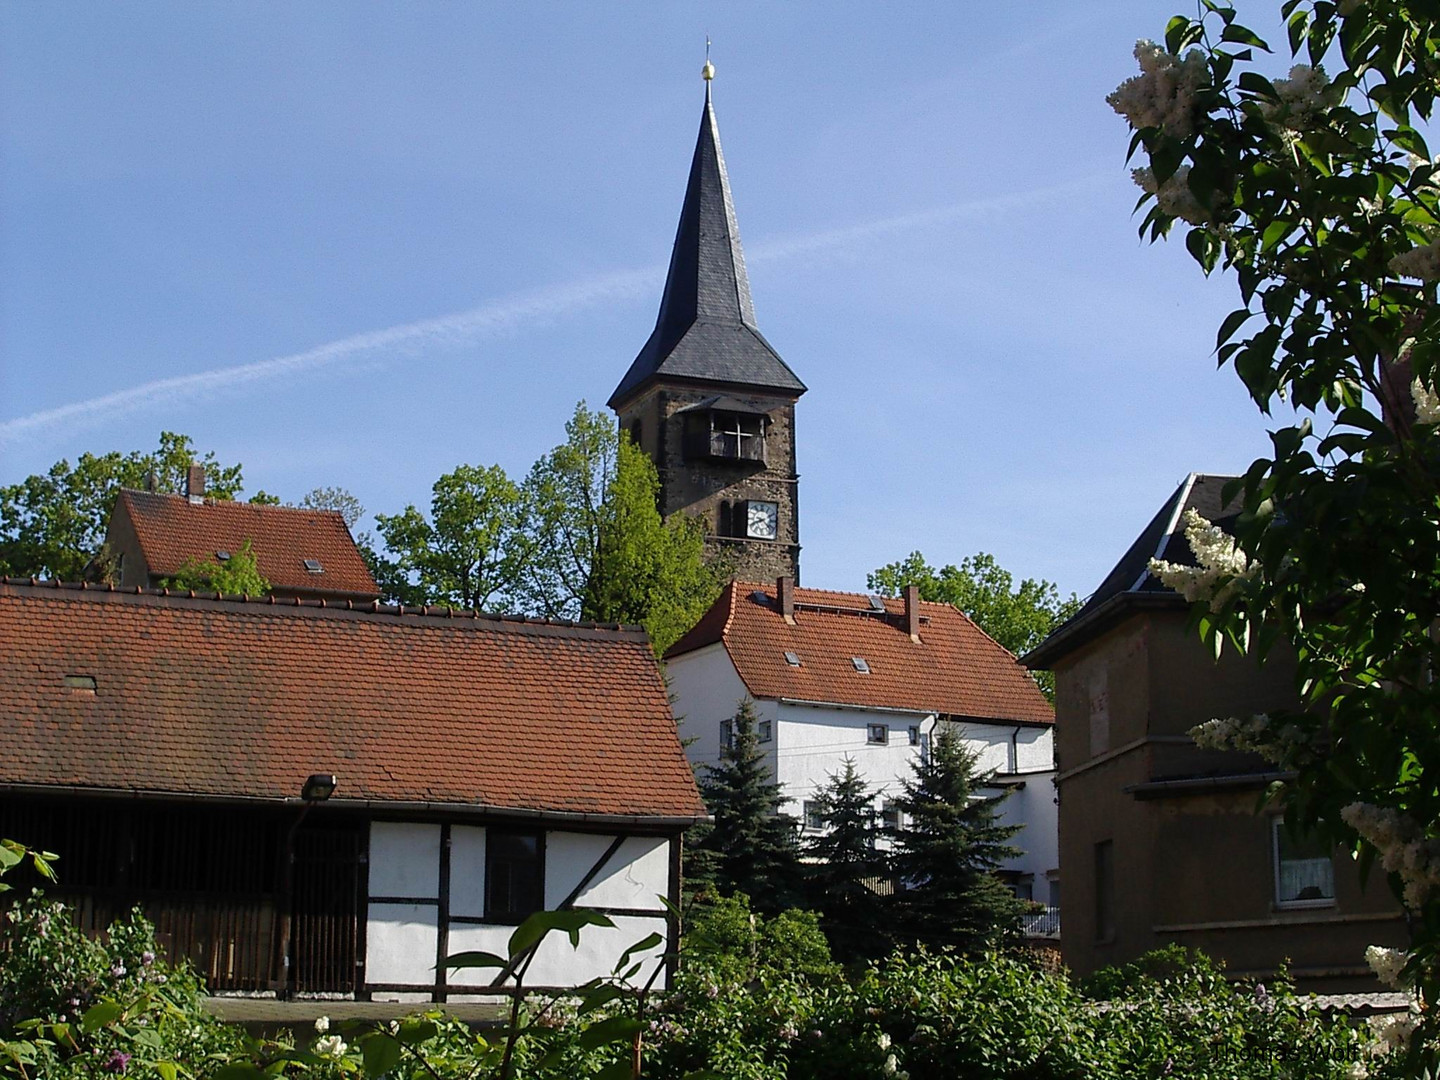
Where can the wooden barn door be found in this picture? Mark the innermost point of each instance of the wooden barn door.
(326, 910)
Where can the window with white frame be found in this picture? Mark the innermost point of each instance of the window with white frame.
(890, 815)
(925, 748)
(1304, 870)
(877, 733)
(764, 731)
(914, 734)
(814, 814)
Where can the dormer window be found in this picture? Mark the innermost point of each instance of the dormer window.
(724, 435)
(313, 566)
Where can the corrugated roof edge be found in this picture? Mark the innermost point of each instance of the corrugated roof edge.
(429, 614)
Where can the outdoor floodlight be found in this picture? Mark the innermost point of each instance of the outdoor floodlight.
(318, 787)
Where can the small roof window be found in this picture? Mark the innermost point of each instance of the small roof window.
(877, 603)
(80, 682)
(792, 658)
(222, 555)
(313, 566)
(861, 665)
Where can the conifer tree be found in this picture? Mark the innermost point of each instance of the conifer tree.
(946, 853)
(844, 865)
(751, 848)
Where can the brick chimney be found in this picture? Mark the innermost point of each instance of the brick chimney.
(785, 596)
(912, 612)
(195, 485)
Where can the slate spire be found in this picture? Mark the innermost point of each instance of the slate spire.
(706, 328)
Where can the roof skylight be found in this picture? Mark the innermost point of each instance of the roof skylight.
(313, 566)
(861, 664)
(792, 658)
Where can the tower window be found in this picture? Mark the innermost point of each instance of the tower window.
(636, 430)
(724, 435)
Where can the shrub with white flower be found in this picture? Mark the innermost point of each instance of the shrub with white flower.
(1421, 263)
(1403, 847)
(1387, 964)
(1304, 98)
(1427, 401)
(322, 1025)
(1285, 744)
(1174, 195)
(332, 1046)
(1218, 559)
(1164, 94)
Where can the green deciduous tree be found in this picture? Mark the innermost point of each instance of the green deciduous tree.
(466, 553)
(947, 851)
(1317, 191)
(237, 575)
(53, 524)
(752, 847)
(594, 543)
(844, 867)
(1019, 616)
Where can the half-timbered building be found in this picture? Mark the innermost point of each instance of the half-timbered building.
(176, 753)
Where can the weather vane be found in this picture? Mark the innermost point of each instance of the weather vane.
(708, 71)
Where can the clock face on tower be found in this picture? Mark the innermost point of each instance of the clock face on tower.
(762, 520)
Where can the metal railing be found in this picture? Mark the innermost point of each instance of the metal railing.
(1043, 923)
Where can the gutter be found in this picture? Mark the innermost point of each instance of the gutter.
(856, 708)
(1198, 785)
(386, 805)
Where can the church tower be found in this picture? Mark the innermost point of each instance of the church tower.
(708, 398)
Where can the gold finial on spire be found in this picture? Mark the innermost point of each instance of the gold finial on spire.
(708, 71)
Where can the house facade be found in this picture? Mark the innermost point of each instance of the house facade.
(483, 768)
(708, 397)
(842, 675)
(1164, 842)
(302, 553)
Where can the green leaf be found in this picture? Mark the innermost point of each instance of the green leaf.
(571, 922)
(102, 1015)
(167, 1070)
(474, 960)
(1233, 322)
(599, 997)
(416, 1029)
(381, 1053)
(1238, 33)
(646, 943)
(614, 1029)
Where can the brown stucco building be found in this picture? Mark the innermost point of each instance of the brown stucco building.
(708, 398)
(1162, 841)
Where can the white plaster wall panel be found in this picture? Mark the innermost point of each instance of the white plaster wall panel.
(467, 871)
(404, 859)
(469, 937)
(557, 964)
(812, 743)
(636, 876)
(990, 742)
(400, 943)
(1033, 807)
(568, 858)
(1036, 749)
(706, 689)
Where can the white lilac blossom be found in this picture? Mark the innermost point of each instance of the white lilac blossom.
(330, 1046)
(1216, 557)
(1387, 964)
(1257, 734)
(1421, 263)
(1304, 98)
(884, 1041)
(1357, 1071)
(1174, 195)
(1402, 846)
(1427, 403)
(1164, 93)
(891, 1065)
(322, 1025)
(1393, 1032)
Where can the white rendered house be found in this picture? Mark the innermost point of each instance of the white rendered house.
(836, 675)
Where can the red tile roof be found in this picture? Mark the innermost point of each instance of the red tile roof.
(956, 668)
(239, 699)
(171, 531)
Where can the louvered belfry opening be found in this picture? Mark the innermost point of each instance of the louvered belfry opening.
(209, 878)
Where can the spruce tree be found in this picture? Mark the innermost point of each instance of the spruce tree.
(946, 854)
(844, 868)
(752, 846)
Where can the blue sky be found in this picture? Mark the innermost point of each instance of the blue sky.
(357, 244)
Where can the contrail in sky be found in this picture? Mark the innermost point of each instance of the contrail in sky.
(490, 319)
